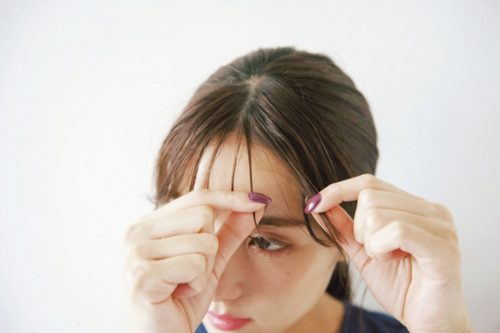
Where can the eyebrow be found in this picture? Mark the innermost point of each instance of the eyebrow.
(280, 221)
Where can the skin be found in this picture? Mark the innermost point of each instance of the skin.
(405, 248)
(281, 290)
(193, 254)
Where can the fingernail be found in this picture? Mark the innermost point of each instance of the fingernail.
(312, 203)
(259, 197)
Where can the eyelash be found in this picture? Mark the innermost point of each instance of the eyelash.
(254, 241)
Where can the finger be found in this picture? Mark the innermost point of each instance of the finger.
(156, 280)
(201, 283)
(356, 252)
(209, 202)
(370, 199)
(203, 243)
(403, 236)
(342, 221)
(184, 290)
(375, 219)
(231, 234)
(347, 190)
(217, 199)
(188, 221)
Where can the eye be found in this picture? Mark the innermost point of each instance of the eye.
(265, 244)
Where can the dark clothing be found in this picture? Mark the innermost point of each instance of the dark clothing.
(358, 320)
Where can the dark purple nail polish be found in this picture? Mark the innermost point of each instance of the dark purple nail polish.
(312, 203)
(259, 197)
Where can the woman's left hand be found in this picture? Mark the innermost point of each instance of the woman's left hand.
(405, 249)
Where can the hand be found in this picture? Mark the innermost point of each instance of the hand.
(405, 249)
(175, 260)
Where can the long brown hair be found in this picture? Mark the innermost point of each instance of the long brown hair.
(298, 104)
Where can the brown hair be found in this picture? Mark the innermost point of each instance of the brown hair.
(298, 104)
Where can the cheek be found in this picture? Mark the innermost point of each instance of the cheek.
(286, 280)
(310, 273)
(282, 291)
(291, 275)
(272, 277)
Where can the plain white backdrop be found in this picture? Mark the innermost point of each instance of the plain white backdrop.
(89, 89)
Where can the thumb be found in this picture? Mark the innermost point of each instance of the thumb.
(231, 235)
(343, 222)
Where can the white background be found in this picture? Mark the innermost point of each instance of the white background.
(88, 91)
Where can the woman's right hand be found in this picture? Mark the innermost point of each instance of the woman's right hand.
(175, 259)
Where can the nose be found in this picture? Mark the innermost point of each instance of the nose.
(232, 281)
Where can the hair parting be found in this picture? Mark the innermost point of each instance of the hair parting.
(299, 105)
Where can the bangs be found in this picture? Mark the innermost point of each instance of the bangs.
(299, 105)
(244, 137)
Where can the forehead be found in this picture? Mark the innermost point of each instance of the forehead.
(269, 175)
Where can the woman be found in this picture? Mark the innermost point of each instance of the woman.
(265, 191)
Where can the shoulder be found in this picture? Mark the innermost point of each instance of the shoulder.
(357, 319)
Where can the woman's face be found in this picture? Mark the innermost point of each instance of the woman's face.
(278, 277)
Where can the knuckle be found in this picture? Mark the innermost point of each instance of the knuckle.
(399, 229)
(372, 218)
(212, 244)
(442, 211)
(368, 180)
(453, 236)
(367, 198)
(206, 213)
(232, 198)
(140, 283)
(140, 272)
(435, 207)
(451, 232)
(131, 230)
(197, 261)
(138, 250)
